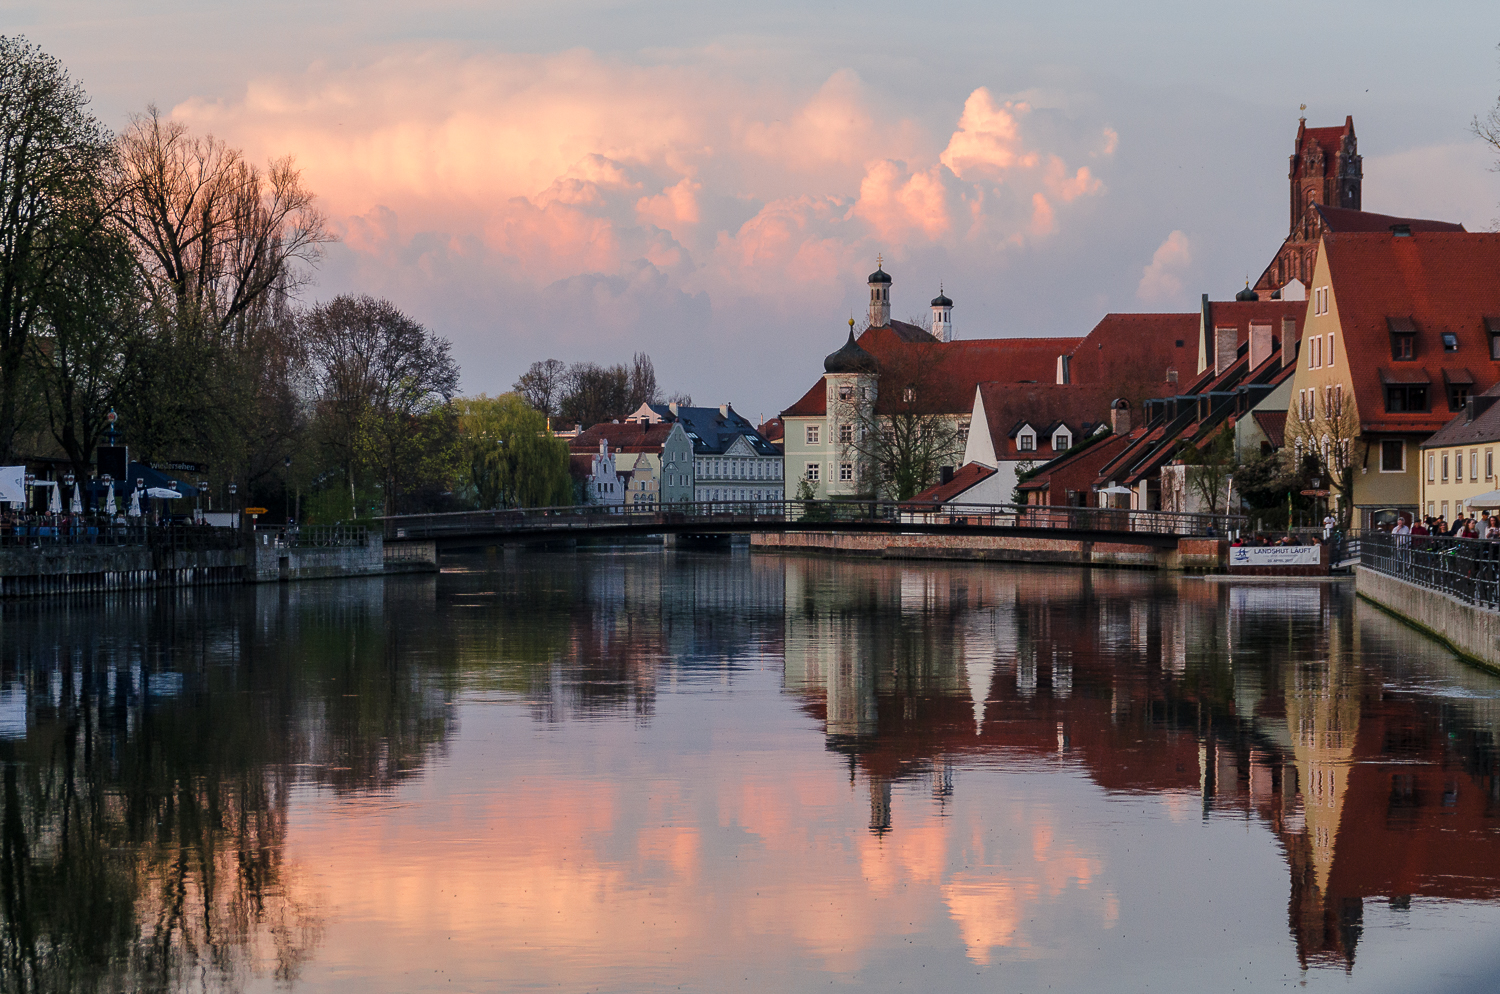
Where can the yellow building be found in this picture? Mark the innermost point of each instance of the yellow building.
(1401, 331)
(1458, 463)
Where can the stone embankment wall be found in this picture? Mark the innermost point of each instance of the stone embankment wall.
(91, 569)
(1472, 632)
(1207, 554)
(274, 563)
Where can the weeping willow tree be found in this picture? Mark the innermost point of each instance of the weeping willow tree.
(509, 458)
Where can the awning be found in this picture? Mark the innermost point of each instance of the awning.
(1458, 377)
(1491, 499)
(156, 478)
(1401, 376)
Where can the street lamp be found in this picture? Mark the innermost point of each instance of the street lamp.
(286, 489)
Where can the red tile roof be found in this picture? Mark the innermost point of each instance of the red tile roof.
(1041, 405)
(1079, 470)
(965, 477)
(1132, 353)
(1273, 423)
(1443, 282)
(954, 368)
(629, 436)
(1344, 220)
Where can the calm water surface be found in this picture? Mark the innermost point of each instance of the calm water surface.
(635, 770)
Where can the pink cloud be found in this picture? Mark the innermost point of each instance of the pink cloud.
(1161, 281)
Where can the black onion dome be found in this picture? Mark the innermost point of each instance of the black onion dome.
(879, 276)
(941, 300)
(1247, 293)
(850, 359)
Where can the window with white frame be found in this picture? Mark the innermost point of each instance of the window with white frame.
(1330, 350)
(846, 391)
(846, 434)
(1431, 468)
(814, 471)
(1026, 442)
(846, 471)
(1061, 441)
(1393, 457)
(813, 434)
(1473, 465)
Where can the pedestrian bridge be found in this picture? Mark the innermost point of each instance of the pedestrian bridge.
(1159, 529)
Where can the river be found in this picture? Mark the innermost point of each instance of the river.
(634, 769)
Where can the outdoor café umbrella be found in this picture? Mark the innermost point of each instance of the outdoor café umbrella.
(1489, 500)
(76, 504)
(54, 502)
(109, 498)
(1117, 489)
(135, 504)
(162, 492)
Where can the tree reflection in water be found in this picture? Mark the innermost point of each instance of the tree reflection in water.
(145, 807)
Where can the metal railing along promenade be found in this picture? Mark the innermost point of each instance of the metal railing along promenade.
(795, 515)
(313, 536)
(54, 532)
(1464, 568)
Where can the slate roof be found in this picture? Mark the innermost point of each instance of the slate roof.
(1441, 282)
(712, 432)
(1461, 431)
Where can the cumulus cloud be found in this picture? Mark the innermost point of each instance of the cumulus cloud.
(531, 172)
(1161, 281)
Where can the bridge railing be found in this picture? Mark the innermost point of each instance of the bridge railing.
(805, 513)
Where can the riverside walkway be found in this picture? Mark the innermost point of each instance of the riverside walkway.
(1160, 529)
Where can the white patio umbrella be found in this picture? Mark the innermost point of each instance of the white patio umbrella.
(135, 504)
(1116, 489)
(76, 504)
(162, 492)
(54, 502)
(109, 499)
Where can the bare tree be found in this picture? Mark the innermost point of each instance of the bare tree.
(380, 376)
(899, 438)
(53, 158)
(594, 394)
(541, 386)
(214, 233)
(1209, 467)
(1326, 425)
(1487, 129)
(642, 382)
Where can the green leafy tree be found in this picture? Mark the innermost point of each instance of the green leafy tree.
(508, 458)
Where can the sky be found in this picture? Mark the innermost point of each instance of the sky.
(711, 184)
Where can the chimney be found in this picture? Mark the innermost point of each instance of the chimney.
(672, 406)
(1064, 373)
(1119, 416)
(1260, 344)
(1226, 344)
(945, 474)
(724, 410)
(1288, 339)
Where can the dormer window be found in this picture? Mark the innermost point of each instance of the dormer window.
(1492, 328)
(1061, 441)
(1026, 442)
(1403, 339)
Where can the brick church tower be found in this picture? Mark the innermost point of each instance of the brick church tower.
(1326, 169)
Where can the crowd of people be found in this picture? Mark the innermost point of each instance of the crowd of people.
(1486, 526)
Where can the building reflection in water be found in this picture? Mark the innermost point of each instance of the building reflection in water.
(1254, 697)
(153, 747)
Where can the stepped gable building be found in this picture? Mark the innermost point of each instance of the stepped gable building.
(1407, 325)
(653, 462)
(1326, 176)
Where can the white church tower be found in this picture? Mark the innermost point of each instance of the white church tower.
(942, 316)
(880, 296)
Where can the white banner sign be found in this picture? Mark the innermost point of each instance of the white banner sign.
(13, 484)
(1275, 555)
